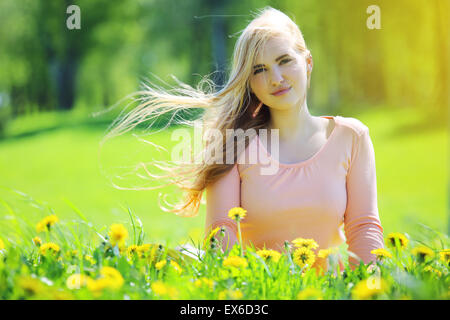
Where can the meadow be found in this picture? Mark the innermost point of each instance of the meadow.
(68, 260)
(49, 165)
(55, 157)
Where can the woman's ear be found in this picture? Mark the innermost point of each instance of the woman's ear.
(309, 67)
(309, 62)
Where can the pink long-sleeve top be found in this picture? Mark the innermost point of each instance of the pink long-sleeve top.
(311, 199)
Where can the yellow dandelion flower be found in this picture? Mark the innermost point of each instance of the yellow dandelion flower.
(381, 253)
(132, 251)
(176, 266)
(40, 227)
(159, 265)
(30, 286)
(37, 241)
(235, 294)
(89, 259)
(160, 288)
(309, 294)
(324, 253)
(235, 261)
(304, 256)
(222, 295)
(118, 234)
(369, 288)
(397, 237)
(76, 281)
(444, 255)
(305, 243)
(62, 295)
(143, 249)
(113, 275)
(46, 223)
(198, 283)
(269, 255)
(230, 294)
(204, 282)
(210, 236)
(430, 269)
(209, 283)
(110, 279)
(154, 253)
(98, 285)
(71, 254)
(49, 247)
(173, 293)
(237, 213)
(422, 252)
(2, 244)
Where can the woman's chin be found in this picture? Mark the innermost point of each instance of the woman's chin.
(286, 106)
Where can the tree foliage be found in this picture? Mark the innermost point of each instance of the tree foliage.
(46, 66)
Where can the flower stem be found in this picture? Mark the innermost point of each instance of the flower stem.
(240, 237)
(288, 251)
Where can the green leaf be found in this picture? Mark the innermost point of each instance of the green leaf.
(262, 262)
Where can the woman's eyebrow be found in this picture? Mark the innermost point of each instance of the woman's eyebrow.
(280, 57)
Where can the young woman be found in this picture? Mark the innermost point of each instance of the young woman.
(325, 175)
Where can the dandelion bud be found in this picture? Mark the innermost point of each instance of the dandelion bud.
(287, 246)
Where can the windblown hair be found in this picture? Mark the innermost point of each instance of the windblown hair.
(229, 108)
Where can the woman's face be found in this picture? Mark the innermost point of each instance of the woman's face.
(279, 66)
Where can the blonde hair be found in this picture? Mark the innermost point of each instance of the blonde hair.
(229, 108)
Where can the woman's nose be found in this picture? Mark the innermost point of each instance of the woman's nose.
(276, 77)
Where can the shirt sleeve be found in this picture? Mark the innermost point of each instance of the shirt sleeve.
(362, 224)
(221, 196)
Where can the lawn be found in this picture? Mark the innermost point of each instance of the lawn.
(54, 159)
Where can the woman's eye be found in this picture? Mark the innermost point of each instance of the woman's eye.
(281, 62)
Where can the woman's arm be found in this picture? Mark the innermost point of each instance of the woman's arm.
(221, 196)
(362, 224)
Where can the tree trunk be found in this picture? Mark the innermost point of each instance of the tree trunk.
(218, 42)
(66, 76)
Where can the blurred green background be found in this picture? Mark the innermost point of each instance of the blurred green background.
(52, 79)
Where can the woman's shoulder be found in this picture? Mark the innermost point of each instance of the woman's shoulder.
(352, 124)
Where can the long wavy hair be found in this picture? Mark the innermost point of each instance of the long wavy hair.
(229, 108)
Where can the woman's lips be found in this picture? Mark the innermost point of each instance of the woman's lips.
(279, 93)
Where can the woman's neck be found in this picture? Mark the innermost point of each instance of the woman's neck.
(293, 124)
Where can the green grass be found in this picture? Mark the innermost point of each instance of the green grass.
(63, 163)
(52, 160)
(59, 160)
(73, 262)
